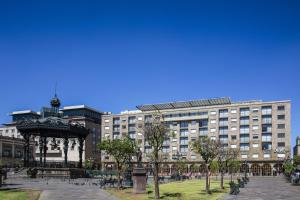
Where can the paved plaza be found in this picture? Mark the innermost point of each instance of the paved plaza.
(56, 189)
(267, 188)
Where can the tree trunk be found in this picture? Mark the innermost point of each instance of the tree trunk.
(207, 179)
(222, 180)
(119, 176)
(156, 186)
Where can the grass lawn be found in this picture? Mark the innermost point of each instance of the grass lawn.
(183, 190)
(15, 194)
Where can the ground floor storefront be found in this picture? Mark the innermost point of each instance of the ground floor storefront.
(257, 168)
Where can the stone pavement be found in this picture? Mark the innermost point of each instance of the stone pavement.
(267, 188)
(56, 189)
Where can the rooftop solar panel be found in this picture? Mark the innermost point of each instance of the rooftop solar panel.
(185, 104)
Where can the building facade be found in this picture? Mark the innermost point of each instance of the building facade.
(259, 130)
(12, 147)
(90, 118)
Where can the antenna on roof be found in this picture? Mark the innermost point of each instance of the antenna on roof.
(55, 89)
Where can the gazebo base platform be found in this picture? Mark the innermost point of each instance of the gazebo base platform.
(59, 173)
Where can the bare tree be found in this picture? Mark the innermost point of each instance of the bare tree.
(155, 133)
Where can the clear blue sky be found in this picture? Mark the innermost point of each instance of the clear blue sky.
(114, 56)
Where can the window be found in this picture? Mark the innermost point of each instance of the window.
(223, 130)
(266, 138)
(193, 131)
(244, 138)
(213, 137)
(223, 138)
(115, 120)
(140, 118)
(106, 120)
(132, 135)
(233, 128)
(281, 126)
(244, 120)
(244, 129)
(266, 128)
(213, 112)
(213, 121)
(184, 133)
(255, 137)
(174, 148)
(233, 120)
(255, 127)
(123, 126)
(280, 117)
(281, 135)
(266, 146)
(193, 157)
(223, 122)
(244, 147)
(281, 144)
(233, 111)
(106, 127)
(255, 155)
(131, 120)
(165, 149)
(255, 119)
(203, 122)
(203, 131)
(233, 137)
(184, 124)
(266, 110)
(148, 118)
(267, 155)
(244, 156)
(193, 122)
(233, 146)
(223, 113)
(212, 130)
(184, 141)
(148, 149)
(255, 145)
(184, 148)
(267, 119)
(255, 110)
(280, 108)
(244, 112)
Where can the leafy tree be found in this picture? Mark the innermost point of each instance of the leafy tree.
(208, 150)
(214, 166)
(155, 133)
(296, 161)
(181, 166)
(121, 150)
(233, 167)
(194, 168)
(288, 167)
(224, 156)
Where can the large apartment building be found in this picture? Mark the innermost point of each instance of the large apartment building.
(259, 130)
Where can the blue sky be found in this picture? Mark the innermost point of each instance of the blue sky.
(114, 55)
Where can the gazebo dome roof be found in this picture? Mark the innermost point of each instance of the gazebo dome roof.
(55, 102)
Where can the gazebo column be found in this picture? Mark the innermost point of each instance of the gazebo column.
(66, 147)
(26, 150)
(80, 140)
(45, 150)
(41, 150)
